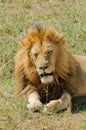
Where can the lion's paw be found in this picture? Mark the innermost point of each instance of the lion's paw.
(53, 106)
(34, 106)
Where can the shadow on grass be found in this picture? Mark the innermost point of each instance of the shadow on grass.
(78, 104)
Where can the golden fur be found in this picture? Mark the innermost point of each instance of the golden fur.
(44, 52)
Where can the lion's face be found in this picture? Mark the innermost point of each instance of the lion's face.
(44, 58)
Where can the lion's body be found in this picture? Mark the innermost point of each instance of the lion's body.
(81, 76)
(45, 63)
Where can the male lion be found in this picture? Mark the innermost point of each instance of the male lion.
(47, 72)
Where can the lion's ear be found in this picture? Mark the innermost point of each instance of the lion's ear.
(26, 43)
(55, 37)
(60, 39)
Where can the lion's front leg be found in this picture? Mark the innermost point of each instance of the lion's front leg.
(34, 101)
(57, 105)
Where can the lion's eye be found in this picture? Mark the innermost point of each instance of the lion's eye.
(35, 55)
(49, 53)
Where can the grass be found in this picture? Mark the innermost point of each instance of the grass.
(83, 127)
(16, 17)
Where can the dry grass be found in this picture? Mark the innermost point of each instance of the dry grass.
(16, 16)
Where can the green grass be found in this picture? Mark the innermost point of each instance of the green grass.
(83, 126)
(16, 17)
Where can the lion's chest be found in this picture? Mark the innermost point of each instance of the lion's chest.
(51, 92)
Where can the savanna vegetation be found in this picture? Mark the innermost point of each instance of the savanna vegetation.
(16, 17)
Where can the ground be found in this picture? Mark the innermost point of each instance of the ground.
(16, 17)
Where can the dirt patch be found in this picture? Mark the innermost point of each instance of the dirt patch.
(38, 121)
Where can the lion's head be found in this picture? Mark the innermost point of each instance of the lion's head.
(46, 51)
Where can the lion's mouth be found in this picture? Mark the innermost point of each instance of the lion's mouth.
(46, 77)
(46, 74)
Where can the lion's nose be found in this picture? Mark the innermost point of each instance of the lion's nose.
(43, 67)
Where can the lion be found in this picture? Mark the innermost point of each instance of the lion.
(47, 72)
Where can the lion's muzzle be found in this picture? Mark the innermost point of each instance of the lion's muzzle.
(46, 75)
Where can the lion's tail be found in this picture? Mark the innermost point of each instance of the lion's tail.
(6, 96)
(22, 92)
